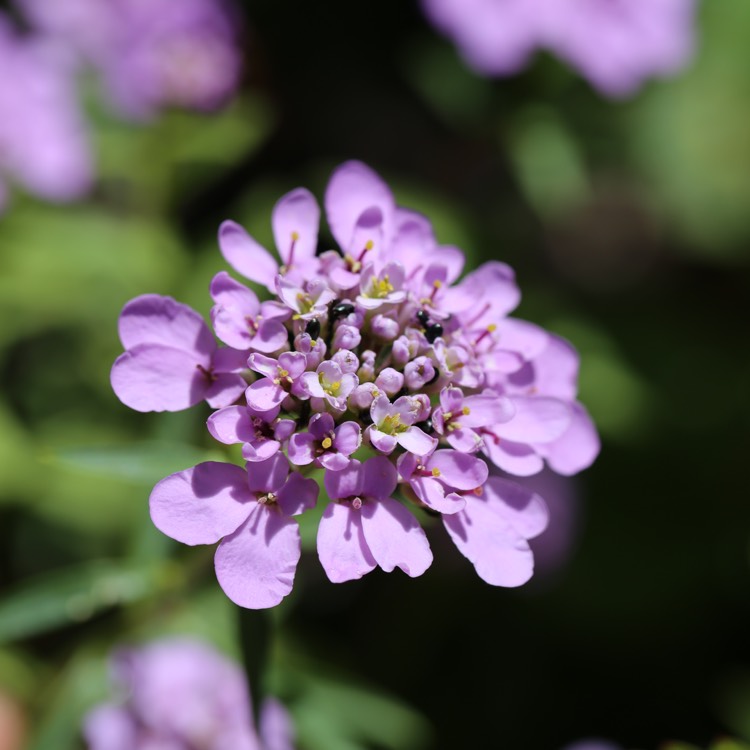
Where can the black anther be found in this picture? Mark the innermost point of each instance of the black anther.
(313, 328)
(433, 331)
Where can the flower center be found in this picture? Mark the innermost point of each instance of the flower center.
(392, 425)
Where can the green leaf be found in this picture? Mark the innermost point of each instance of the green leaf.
(75, 595)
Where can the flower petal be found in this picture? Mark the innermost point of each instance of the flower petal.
(344, 483)
(152, 377)
(416, 441)
(501, 556)
(537, 420)
(231, 425)
(246, 255)
(268, 476)
(295, 221)
(297, 495)
(395, 537)
(576, 448)
(202, 504)
(379, 477)
(153, 319)
(522, 508)
(256, 564)
(461, 471)
(342, 549)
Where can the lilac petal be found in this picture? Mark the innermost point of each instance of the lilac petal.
(487, 409)
(394, 537)
(297, 495)
(294, 363)
(225, 389)
(451, 399)
(522, 508)
(459, 470)
(276, 727)
(295, 220)
(466, 441)
(379, 409)
(311, 384)
(345, 483)
(379, 477)
(264, 394)
(152, 377)
(515, 458)
(260, 450)
(227, 359)
(246, 255)
(270, 337)
(501, 556)
(334, 461)
(537, 420)
(382, 442)
(284, 429)
(226, 292)
(202, 504)
(432, 494)
(342, 548)
(153, 319)
(407, 464)
(321, 425)
(264, 365)
(268, 476)
(110, 727)
(522, 337)
(492, 284)
(450, 258)
(256, 564)
(416, 441)
(556, 369)
(578, 446)
(301, 448)
(231, 425)
(352, 189)
(347, 438)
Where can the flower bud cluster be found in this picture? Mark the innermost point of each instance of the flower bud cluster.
(375, 364)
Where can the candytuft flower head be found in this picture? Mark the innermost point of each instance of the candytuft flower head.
(615, 44)
(182, 694)
(375, 364)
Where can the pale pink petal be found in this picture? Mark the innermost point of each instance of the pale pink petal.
(152, 377)
(394, 536)
(379, 477)
(153, 319)
(344, 483)
(459, 470)
(297, 495)
(576, 448)
(295, 220)
(515, 458)
(342, 549)
(225, 389)
(202, 504)
(256, 564)
(231, 425)
(501, 556)
(268, 476)
(522, 508)
(246, 255)
(416, 441)
(537, 420)
(432, 494)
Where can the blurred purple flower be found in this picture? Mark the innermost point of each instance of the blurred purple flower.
(180, 694)
(616, 44)
(150, 53)
(43, 139)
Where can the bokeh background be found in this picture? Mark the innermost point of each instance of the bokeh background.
(628, 224)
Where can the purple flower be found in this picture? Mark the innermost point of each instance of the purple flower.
(365, 526)
(324, 444)
(180, 694)
(150, 54)
(44, 144)
(386, 319)
(171, 360)
(250, 512)
(616, 44)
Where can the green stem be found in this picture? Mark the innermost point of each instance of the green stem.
(254, 630)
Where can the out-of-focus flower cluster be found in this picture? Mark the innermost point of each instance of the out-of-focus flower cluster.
(148, 54)
(615, 44)
(376, 365)
(180, 694)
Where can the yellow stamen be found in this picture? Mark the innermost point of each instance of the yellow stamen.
(437, 283)
(436, 472)
(492, 328)
(327, 443)
(369, 245)
(466, 411)
(295, 236)
(283, 373)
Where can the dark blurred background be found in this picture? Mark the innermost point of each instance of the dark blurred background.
(628, 226)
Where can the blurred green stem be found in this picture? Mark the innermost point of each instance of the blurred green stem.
(255, 641)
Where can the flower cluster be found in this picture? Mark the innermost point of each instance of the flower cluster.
(181, 694)
(376, 365)
(149, 53)
(616, 44)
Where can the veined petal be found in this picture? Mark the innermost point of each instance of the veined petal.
(256, 564)
(246, 255)
(202, 504)
(295, 221)
(152, 377)
(500, 554)
(153, 319)
(342, 548)
(394, 537)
